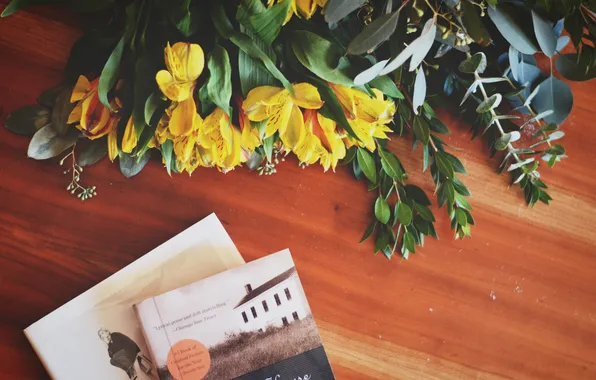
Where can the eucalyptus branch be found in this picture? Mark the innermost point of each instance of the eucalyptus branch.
(83, 193)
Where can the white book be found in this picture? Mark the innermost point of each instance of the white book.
(96, 336)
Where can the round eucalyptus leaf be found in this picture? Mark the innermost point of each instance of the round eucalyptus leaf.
(27, 120)
(93, 152)
(512, 22)
(477, 62)
(131, 165)
(555, 95)
(543, 29)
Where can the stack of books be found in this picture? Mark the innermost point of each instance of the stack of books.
(190, 309)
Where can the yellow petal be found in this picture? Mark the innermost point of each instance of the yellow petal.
(345, 95)
(192, 60)
(129, 140)
(80, 89)
(305, 8)
(113, 144)
(173, 89)
(173, 63)
(278, 119)
(234, 156)
(307, 96)
(253, 104)
(183, 118)
(293, 134)
(213, 121)
(76, 113)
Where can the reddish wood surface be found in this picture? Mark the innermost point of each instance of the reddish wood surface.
(432, 317)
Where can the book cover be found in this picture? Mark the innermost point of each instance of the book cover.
(96, 336)
(249, 322)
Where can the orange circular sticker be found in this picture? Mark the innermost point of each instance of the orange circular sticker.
(188, 359)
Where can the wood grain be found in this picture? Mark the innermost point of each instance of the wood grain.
(432, 317)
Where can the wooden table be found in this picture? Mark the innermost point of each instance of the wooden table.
(518, 300)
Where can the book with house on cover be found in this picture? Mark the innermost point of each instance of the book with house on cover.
(96, 336)
(249, 322)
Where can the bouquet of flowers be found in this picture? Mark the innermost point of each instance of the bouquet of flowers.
(223, 84)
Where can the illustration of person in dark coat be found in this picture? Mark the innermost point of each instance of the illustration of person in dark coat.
(124, 353)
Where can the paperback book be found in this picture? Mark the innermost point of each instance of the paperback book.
(249, 322)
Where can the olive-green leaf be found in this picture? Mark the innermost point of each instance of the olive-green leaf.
(167, 152)
(382, 210)
(421, 129)
(93, 152)
(47, 143)
(510, 21)
(387, 86)
(490, 103)
(245, 43)
(323, 58)
(332, 108)
(369, 230)
(109, 74)
(335, 10)
(252, 73)
(268, 23)
(409, 242)
(391, 165)
(424, 212)
(458, 167)
(131, 165)
(461, 217)
(416, 193)
(443, 164)
(219, 85)
(382, 240)
(477, 62)
(374, 34)
(27, 120)
(154, 101)
(570, 67)
(403, 213)
(367, 164)
(473, 24)
(61, 110)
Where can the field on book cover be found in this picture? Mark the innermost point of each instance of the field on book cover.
(245, 352)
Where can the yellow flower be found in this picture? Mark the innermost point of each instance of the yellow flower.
(368, 116)
(281, 110)
(301, 8)
(251, 138)
(94, 119)
(321, 143)
(184, 62)
(130, 139)
(113, 144)
(222, 139)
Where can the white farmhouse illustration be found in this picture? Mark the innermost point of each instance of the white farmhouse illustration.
(277, 302)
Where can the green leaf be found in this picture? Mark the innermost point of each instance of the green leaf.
(181, 16)
(268, 23)
(387, 86)
(443, 164)
(391, 165)
(27, 120)
(252, 73)
(462, 202)
(93, 152)
(403, 213)
(332, 108)
(555, 95)
(374, 34)
(382, 240)
(144, 86)
(367, 164)
(335, 10)
(61, 110)
(109, 74)
(503, 141)
(556, 150)
(513, 23)
(382, 211)
(424, 212)
(131, 166)
(417, 194)
(458, 167)
(47, 143)
(437, 126)
(570, 67)
(219, 86)
(268, 147)
(167, 152)
(473, 23)
(488, 104)
(369, 230)
(409, 242)
(421, 129)
(477, 62)
(460, 217)
(245, 43)
(543, 29)
(154, 101)
(321, 57)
